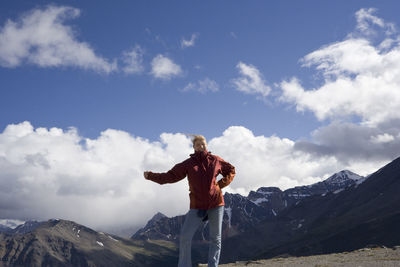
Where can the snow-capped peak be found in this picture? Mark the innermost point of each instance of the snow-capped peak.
(343, 176)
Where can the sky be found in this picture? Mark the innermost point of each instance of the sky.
(93, 94)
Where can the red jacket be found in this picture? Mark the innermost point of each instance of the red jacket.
(201, 168)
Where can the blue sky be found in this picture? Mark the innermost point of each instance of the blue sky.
(94, 93)
(271, 35)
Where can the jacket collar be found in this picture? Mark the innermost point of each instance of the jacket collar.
(201, 154)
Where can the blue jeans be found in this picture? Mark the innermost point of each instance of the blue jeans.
(191, 224)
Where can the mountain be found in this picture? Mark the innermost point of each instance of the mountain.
(8, 225)
(65, 243)
(343, 212)
(5, 229)
(343, 220)
(243, 213)
(27, 227)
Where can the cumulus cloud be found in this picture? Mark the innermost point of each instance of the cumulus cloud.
(360, 78)
(188, 43)
(164, 68)
(56, 173)
(42, 38)
(202, 86)
(251, 81)
(133, 60)
(51, 173)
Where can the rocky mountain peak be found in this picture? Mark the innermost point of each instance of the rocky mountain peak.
(27, 227)
(157, 217)
(344, 176)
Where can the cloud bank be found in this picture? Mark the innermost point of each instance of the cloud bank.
(56, 173)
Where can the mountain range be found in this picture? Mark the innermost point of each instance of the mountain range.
(364, 213)
(242, 213)
(342, 213)
(65, 243)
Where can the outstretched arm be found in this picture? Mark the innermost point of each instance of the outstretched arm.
(177, 173)
(228, 172)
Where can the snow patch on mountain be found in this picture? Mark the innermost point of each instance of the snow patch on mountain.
(259, 200)
(298, 195)
(338, 191)
(113, 238)
(343, 176)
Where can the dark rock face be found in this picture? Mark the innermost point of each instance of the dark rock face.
(243, 213)
(27, 227)
(160, 227)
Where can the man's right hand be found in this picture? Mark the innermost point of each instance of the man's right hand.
(146, 174)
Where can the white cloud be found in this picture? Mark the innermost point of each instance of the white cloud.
(382, 138)
(202, 86)
(133, 60)
(251, 81)
(360, 79)
(366, 19)
(52, 173)
(164, 68)
(268, 161)
(40, 37)
(55, 173)
(188, 43)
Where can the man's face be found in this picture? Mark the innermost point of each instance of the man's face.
(199, 145)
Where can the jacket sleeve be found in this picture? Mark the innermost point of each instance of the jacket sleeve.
(228, 172)
(177, 173)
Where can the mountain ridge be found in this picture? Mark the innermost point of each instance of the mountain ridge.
(58, 242)
(242, 212)
(327, 223)
(291, 222)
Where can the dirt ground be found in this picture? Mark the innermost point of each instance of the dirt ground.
(366, 257)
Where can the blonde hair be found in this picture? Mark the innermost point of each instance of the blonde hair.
(197, 137)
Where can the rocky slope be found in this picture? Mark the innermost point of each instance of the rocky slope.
(66, 243)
